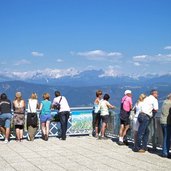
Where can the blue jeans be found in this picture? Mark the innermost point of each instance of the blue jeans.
(166, 138)
(143, 131)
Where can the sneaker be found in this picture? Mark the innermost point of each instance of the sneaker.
(46, 138)
(6, 141)
(120, 143)
(28, 138)
(164, 155)
(97, 136)
(141, 151)
(126, 142)
(104, 138)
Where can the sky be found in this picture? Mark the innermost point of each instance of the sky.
(118, 36)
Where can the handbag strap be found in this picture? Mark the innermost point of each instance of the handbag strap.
(60, 100)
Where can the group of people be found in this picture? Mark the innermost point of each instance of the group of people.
(19, 109)
(143, 111)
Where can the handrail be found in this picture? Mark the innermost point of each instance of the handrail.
(80, 123)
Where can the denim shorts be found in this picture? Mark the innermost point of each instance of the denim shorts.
(7, 118)
(45, 117)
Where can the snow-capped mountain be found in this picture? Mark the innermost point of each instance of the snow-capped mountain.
(74, 77)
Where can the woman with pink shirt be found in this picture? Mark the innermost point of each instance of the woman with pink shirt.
(126, 106)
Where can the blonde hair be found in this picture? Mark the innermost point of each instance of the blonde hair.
(141, 97)
(169, 96)
(33, 96)
(18, 96)
(46, 96)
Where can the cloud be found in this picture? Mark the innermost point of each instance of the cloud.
(59, 60)
(167, 48)
(98, 54)
(34, 53)
(110, 72)
(22, 62)
(159, 58)
(140, 58)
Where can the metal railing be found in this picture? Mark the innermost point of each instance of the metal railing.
(80, 123)
(155, 135)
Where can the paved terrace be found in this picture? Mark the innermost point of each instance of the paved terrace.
(76, 153)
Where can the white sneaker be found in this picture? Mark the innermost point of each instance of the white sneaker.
(6, 141)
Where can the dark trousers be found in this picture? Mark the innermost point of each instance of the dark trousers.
(63, 117)
(143, 131)
(166, 129)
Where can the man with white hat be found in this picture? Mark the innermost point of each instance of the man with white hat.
(126, 106)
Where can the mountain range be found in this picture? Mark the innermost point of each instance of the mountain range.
(80, 87)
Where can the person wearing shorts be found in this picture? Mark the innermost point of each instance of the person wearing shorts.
(5, 116)
(104, 106)
(45, 115)
(126, 106)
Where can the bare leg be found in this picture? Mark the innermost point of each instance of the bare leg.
(21, 133)
(47, 127)
(17, 130)
(97, 130)
(125, 130)
(7, 133)
(43, 128)
(2, 129)
(121, 130)
(103, 129)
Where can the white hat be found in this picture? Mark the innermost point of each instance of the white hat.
(128, 92)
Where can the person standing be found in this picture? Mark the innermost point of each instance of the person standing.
(126, 106)
(32, 119)
(96, 114)
(45, 115)
(135, 120)
(165, 121)
(19, 115)
(64, 112)
(148, 110)
(5, 116)
(104, 106)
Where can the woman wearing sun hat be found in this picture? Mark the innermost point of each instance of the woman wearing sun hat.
(19, 115)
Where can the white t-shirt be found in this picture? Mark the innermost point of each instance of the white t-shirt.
(64, 104)
(32, 105)
(138, 107)
(149, 104)
(103, 106)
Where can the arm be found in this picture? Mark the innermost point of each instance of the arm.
(40, 106)
(97, 101)
(24, 104)
(13, 106)
(110, 106)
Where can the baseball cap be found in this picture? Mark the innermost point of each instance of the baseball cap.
(128, 92)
